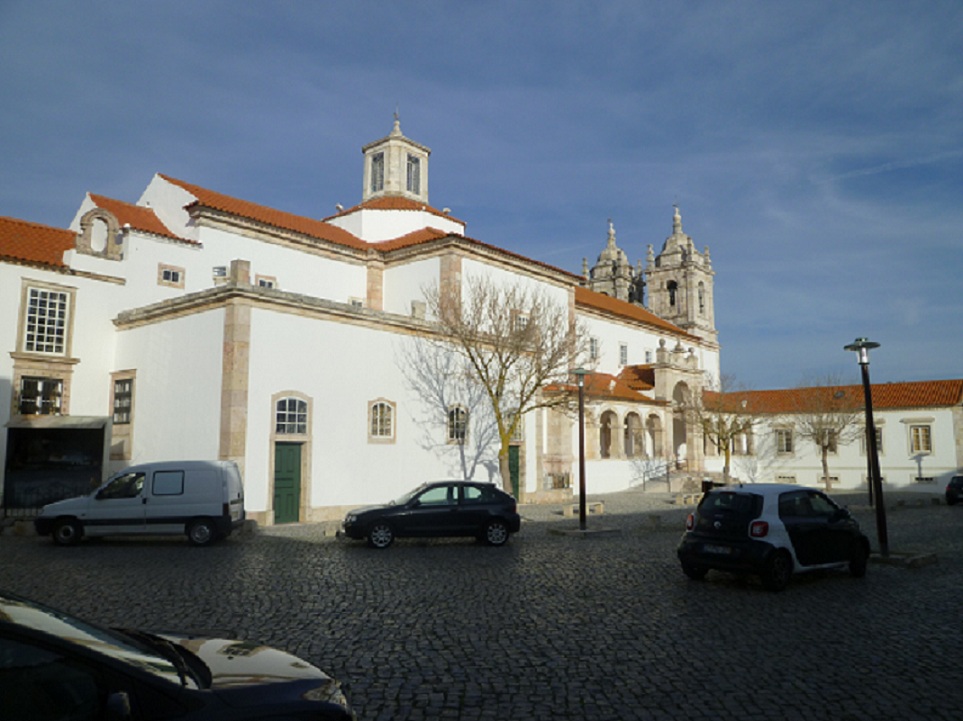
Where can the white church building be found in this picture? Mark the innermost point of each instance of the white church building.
(194, 325)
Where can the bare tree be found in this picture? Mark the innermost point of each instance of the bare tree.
(724, 415)
(516, 341)
(829, 414)
(440, 380)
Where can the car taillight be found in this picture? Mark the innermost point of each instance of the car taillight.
(758, 529)
(690, 522)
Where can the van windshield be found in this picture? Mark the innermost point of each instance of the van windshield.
(125, 485)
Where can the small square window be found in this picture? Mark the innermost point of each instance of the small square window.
(170, 275)
(40, 396)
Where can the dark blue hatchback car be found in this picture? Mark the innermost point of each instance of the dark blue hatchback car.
(443, 508)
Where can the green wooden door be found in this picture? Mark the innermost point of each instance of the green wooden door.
(513, 468)
(287, 482)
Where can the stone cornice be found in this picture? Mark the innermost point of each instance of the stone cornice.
(269, 299)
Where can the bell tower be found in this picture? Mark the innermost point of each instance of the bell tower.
(396, 166)
(680, 284)
(613, 275)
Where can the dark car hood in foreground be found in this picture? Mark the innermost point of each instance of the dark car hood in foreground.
(241, 669)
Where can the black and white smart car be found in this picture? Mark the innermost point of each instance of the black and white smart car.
(771, 531)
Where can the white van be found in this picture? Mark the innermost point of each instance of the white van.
(204, 499)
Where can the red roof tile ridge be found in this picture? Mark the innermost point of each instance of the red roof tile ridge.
(901, 394)
(395, 202)
(281, 219)
(28, 242)
(137, 216)
(600, 301)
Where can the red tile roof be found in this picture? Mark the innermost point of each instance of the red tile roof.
(269, 216)
(641, 378)
(614, 306)
(395, 202)
(136, 216)
(24, 242)
(625, 386)
(425, 235)
(916, 394)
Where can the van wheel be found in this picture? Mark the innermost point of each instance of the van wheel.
(201, 532)
(67, 532)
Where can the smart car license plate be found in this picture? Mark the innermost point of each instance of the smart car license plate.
(721, 550)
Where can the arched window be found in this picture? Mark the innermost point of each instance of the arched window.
(457, 424)
(702, 298)
(291, 417)
(673, 288)
(381, 421)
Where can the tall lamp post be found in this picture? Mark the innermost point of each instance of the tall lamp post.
(580, 374)
(862, 347)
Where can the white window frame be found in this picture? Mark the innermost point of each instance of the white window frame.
(47, 320)
(788, 448)
(171, 276)
(919, 444)
(49, 398)
(292, 418)
(382, 415)
(456, 424)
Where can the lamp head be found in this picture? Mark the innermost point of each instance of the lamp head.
(862, 347)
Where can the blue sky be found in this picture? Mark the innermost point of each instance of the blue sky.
(816, 147)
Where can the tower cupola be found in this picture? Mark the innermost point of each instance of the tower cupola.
(396, 166)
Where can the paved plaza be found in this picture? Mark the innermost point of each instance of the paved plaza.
(550, 626)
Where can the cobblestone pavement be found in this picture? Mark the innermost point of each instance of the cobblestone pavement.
(549, 626)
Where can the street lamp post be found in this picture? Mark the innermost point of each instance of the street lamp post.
(580, 374)
(862, 347)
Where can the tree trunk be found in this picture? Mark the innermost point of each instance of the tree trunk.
(826, 483)
(505, 471)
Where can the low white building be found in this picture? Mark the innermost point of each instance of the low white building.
(919, 436)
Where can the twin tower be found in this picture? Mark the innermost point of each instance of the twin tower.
(679, 281)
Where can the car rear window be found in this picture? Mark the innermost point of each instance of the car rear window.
(742, 504)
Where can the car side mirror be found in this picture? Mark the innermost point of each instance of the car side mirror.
(841, 514)
(118, 707)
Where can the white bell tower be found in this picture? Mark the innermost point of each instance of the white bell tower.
(396, 166)
(680, 284)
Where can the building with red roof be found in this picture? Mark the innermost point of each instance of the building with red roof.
(192, 324)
